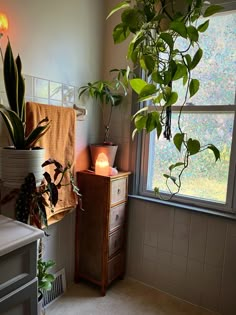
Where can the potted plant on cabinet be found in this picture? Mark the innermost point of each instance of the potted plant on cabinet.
(154, 28)
(108, 94)
(23, 157)
(45, 280)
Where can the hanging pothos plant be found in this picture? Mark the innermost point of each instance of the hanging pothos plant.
(156, 26)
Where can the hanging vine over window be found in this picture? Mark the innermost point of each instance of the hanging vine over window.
(156, 27)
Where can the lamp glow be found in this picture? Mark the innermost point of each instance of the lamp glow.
(102, 165)
(3, 23)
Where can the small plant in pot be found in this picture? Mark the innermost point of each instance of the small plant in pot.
(14, 118)
(32, 201)
(45, 280)
(108, 95)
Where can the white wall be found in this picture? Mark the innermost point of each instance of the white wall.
(61, 41)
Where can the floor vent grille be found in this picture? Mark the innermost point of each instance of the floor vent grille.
(58, 288)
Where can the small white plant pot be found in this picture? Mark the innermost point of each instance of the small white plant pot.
(15, 165)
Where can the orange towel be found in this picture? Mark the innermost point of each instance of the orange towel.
(59, 144)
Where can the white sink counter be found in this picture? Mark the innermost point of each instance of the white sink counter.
(14, 234)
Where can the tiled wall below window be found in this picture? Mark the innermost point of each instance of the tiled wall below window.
(187, 254)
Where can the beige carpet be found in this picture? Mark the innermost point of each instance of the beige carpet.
(125, 297)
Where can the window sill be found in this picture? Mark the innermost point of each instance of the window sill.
(222, 214)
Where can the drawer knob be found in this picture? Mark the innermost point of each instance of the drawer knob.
(117, 217)
(118, 191)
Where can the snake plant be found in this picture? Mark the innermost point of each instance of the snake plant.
(14, 116)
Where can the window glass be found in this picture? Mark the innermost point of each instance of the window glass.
(216, 71)
(204, 179)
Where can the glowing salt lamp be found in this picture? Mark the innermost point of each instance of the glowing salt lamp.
(102, 165)
(3, 23)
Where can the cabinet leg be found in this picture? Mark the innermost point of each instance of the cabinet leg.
(103, 290)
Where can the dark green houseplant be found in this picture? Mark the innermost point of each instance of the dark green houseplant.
(32, 201)
(153, 29)
(14, 117)
(108, 94)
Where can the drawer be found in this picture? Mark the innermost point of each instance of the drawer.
(117, 216)
(115, 241)
(17, 268)
(22, 301)
(118, 190)
(116, 267)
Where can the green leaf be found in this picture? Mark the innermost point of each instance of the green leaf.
(192, 33)
(212, 9)
(37, 133)
(137, 85)
(140, 122)
(172, 166)
(196, 58)
(172, 99)
(180, 72)
(153, 122)
(215, 151)
(168, 39)
(173, 178)
(119, 6)
(203, 27)
(21, 90)
(147, 63)
(179, 27)
(138, 38)
(156, 77)
(120, 33)
(156, 191)
(11, 78)
(194, 87)
(193, 146)
(142, 110)
(147, 90)
(131, 18)
(188, 60)
(178, 140)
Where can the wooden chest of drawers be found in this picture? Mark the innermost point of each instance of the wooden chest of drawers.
(101, 228)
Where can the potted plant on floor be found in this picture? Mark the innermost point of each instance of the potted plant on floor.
(154, 28)
(107, 94)
(23, 157)
(45, 280)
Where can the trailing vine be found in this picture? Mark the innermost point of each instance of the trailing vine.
(156, 27)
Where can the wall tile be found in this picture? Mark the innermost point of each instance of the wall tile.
(179, 262)
(177, 265)
(163, 257)
(215, 245)
(197, 237)
(165, 230)
(152, 225)
(41, 88)
(211, 287)
(181, 239)
(150, 253)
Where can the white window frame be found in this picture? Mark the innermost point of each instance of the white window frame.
(230, 205)
(140, 150)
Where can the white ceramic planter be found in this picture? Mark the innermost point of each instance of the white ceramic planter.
(15, 165)
(109, 150)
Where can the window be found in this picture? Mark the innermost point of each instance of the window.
(211, 117)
